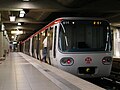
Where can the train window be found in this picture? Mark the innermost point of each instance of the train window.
(40, 40)
(83, 35)
(35, 41)
(35, 46)
(27, 46)
(50, 38)
(42, 37)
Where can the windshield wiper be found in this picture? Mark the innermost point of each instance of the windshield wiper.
(66, 41)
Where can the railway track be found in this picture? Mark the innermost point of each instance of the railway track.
(113, 81)
(109, 83)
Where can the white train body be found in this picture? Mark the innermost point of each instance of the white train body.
(81, 46)
(80, 65)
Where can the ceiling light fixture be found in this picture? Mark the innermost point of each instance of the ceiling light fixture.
(26, 0)
(19, 24)
(17, 32)
(12, 37)
(12, 18)
(22, 13)
(14, 42)
(3, 27)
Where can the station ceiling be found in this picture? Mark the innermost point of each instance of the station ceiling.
(40, 12)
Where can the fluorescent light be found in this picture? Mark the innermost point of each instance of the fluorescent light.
(22, 15)
(26, 0)
(12, 18)
(12, 37)
(17, 32)
(19, 24)
(14, 42)
(2, 27)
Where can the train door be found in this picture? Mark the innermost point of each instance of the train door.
(45, 47)
(27, 45)
(30, 51)
(42, 36)
(37, 47)
(40, 46)
(24, 47)
(53, 45)
(49, 44)
(33, 47)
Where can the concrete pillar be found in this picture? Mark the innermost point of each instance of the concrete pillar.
(117, 43)
(1, 46)
(5, 45)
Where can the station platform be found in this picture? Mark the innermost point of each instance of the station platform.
(116, 64)
(22, 72)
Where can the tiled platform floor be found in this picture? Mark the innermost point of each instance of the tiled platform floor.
(22, 72)
(18, 74)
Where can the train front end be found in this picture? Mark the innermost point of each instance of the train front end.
(83, 47)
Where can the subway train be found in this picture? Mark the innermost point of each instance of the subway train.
(80, 46)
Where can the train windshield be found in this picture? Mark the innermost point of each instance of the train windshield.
(84, 35)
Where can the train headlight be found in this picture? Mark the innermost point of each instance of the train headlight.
(67, 61)
(107, 60)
